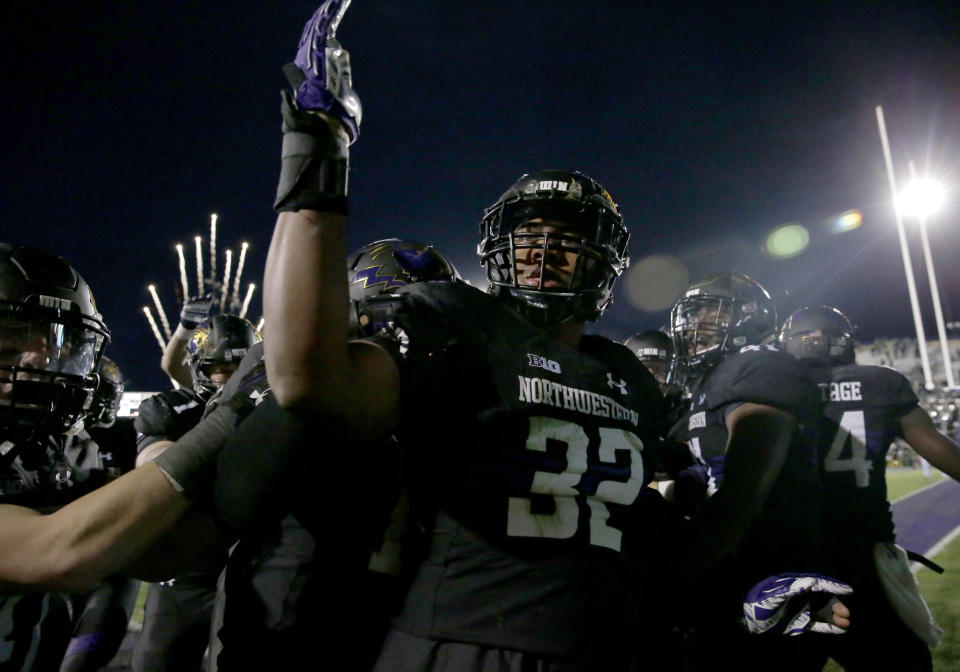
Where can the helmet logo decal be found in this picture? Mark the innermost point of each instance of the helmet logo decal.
(54, 302)
(199, 338)
(572, 189)
(371, 277)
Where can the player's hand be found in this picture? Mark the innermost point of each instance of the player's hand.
(320, 74)
(195, 310)
(791, 604)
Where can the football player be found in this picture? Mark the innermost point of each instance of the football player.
(175, 360)
(100, 616)
(655, 349)
(176, 623)
(524, 436)
(278, 590)
(749, 405)
(51, 339)
(865, 408)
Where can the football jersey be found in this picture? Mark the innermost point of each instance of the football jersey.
(785, 536)
(863, 405)
(531, 455)
(167, 416)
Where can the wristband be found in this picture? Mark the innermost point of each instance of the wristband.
(315, 161)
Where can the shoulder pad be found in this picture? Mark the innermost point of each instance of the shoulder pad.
(253, 357)
(761, 374)
(169, 414)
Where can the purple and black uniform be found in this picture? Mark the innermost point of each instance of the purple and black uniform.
(863, 405)
(785, 536)
(530, 454)
(35, 628)
(177, 613)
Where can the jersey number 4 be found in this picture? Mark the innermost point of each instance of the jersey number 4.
(584, 484)
(852, 425)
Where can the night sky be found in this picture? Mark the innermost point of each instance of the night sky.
(127, 124)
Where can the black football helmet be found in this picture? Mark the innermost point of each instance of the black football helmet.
(222, 340)
(106, 400)
(387, 265)
(720, 314)
(384, 266)
(51, 339)
(553, 245)
(819, 333)
(655, 349)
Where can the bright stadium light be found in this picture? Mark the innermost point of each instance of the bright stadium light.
(922, 198)
(905, 252)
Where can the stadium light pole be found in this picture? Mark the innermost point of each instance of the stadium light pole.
(905, 252)
(921, 199)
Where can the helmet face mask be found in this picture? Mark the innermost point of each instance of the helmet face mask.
(215, 350)
(821, 334)
(51, 339)
(722, 313)
(553, 245)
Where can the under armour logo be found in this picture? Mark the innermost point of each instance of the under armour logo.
(258, 396)
(701, 399)
(63, 479)
(621, 385)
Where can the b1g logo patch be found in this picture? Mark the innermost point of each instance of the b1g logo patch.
(543, 363)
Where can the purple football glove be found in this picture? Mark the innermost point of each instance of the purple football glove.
(323, 82)
(791, 604)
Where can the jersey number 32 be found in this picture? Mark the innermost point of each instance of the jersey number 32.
(604, 467)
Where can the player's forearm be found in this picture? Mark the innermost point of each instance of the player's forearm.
(757, 447)
(305, 300)
(90, 538)
(941, 452)
(919, 431)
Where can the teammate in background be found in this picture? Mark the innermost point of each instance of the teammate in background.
(177, 614)
(655, 349)
(277, 589)
(100, 616)
(175, 359)
(745, 428)
(51, 339)
(865, 408)
(115, 436)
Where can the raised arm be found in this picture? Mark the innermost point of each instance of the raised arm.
(174, 359)
(313, 367)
